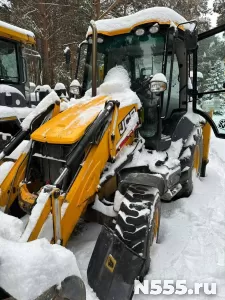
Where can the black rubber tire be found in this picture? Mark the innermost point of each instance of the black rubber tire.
(186, 176)
(135, 222)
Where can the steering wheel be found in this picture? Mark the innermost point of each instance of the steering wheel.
(141, 84)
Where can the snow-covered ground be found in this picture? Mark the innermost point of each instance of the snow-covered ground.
(192, 235)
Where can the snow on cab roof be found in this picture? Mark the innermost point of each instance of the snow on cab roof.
(162, 15)
(14, 32)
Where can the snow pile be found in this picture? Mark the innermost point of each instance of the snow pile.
(89, 113)
(5, 136)
(17, 29)
(118, 199)
(9, 89)
(117, 86)
(75, 82)
(107, 210)
(11, 228)
(159, 77)
(5, 169)
(22, 148)
(28, 269)
(117, 79)
(64, 105)
(59, 86)
(120, 159)
(41, 107)
(66, 50)
(19, 112)
(186, 154)
(194, 118)
(35, 214)
(149, 158)
(45, 88)
(161, 14)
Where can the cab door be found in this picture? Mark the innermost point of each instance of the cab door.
(209, 79)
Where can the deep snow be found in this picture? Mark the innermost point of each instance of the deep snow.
(192, 235)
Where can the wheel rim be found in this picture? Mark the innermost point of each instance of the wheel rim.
(156, 223)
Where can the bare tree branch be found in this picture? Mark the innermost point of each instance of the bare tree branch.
(110, 9)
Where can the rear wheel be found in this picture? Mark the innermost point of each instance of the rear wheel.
(191, 164)
(139, 219)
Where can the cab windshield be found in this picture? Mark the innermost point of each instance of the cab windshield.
(141, 56)
(8, 62)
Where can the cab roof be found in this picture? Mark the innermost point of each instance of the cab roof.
(16, 33)
(116, 26)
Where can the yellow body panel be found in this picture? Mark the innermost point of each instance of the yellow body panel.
(206, 139)
(9, 33)
(85, 186)
(10, 186)
(87, 181)
(70, 125)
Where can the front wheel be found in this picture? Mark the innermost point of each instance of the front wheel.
(139, 220)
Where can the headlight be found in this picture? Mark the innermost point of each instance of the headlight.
(140, 32)
(154, 28)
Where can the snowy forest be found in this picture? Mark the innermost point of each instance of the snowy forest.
(61, 23)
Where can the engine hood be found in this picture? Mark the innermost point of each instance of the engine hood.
(70, 125)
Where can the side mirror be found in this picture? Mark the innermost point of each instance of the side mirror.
(158, 83)
(75, 88)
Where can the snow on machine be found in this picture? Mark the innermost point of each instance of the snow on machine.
(132, 140)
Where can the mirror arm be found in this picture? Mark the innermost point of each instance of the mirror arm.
(195, 78)
(212, 92)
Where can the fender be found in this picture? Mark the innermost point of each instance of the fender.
(152, 180)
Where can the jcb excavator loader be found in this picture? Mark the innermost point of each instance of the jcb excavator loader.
(130, 142)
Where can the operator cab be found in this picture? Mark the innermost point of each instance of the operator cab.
(20, 66)
(144, 51)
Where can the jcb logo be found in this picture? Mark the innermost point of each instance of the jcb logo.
(123, 124)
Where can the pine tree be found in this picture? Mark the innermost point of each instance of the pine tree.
(58, 23)
(215, 81)
(219, 7)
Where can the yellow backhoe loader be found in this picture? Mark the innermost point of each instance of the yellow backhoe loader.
(20, 72)
(132, 140)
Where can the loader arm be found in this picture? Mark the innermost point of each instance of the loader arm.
(16, 173)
